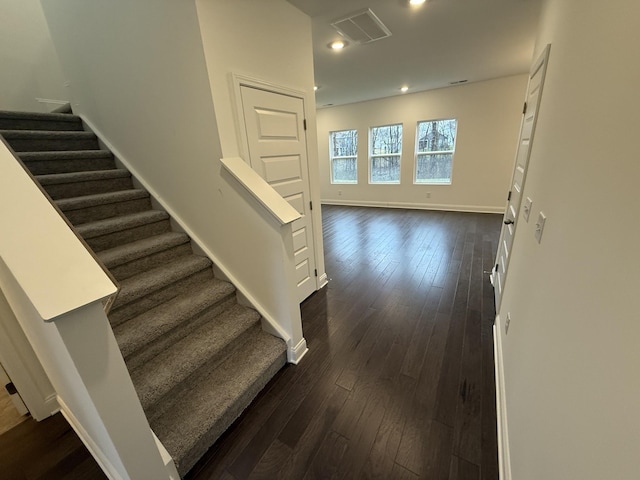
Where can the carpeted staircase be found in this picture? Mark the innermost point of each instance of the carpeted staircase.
(196, 357)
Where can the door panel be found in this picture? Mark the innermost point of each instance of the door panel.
(278, 152)
(525, 142)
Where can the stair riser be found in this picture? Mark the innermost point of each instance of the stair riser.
(49, 125)
(100, 212)
(123, 313)
(52, 144)
(90, 187)
(114, 239)
(46, 167)
(197, 451)
(143, 353)
(129, 269)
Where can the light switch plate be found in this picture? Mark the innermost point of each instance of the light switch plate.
(540, 226)
(526, 209)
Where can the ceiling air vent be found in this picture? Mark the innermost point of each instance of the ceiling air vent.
(361, 27)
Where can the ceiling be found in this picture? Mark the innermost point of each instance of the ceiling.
(432, 45)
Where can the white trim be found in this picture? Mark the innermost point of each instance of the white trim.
(169, 464)
(504, 457)
(240, 287)
(417, 206)
(95, 451)
(295, 354)
(275, 204)
(322, 280)
(53, 102)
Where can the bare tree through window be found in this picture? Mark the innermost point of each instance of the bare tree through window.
(386, 148)
(344, 156)
(434, 150)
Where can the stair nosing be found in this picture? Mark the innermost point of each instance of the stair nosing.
(141, 285)
(81, 176)
(112, 257)
(106, 226)
(40, 116)
(97, 199)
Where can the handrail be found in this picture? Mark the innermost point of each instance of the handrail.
(261, 190)
(47, 258)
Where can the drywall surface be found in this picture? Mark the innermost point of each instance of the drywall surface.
(571, 357)
(138, 74)
(30, 66)
(488, 115)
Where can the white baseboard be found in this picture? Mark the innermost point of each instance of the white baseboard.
(504, 457)
(295, 354)
(322, 280)
(240, 287)
(416, 206)
(95, 451)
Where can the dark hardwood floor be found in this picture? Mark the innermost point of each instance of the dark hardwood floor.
(398, 382)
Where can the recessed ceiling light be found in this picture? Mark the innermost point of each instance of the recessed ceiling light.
(337, 45)
(404, 89)
(415, 3)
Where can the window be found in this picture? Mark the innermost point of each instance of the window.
(344, 156)
(436, 142)
(385, 150)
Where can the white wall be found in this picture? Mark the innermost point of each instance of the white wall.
(268, 41)
(30, 67)
(488, 115)
(571, 357)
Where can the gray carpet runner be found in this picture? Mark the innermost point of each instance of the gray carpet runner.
(196, 357)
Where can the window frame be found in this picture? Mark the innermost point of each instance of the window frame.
(439, 152)
(342, 157)
(371, 155)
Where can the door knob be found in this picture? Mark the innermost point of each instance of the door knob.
(508, 222)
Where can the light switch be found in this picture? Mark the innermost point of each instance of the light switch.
(540, 226)
(526, 209)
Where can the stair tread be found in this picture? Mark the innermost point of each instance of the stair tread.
(146, 327)
(58, 117)
(144, 283)
(119, 223)
(140, 248)
(159, 375)
(75, 203)
(217, 397)
(84, 176)
(64, 154)
(46, 134)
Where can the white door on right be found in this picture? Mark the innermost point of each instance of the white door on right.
(512, 214)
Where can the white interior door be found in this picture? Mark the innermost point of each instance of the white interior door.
(275, 127)
(512, 214)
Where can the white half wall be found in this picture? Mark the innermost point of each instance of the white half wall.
(571, 359)
(266, 41)
(30, 68)
(488, 115)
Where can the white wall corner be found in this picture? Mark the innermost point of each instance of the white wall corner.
(504, 458)
(96, 452)
(295, 353)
